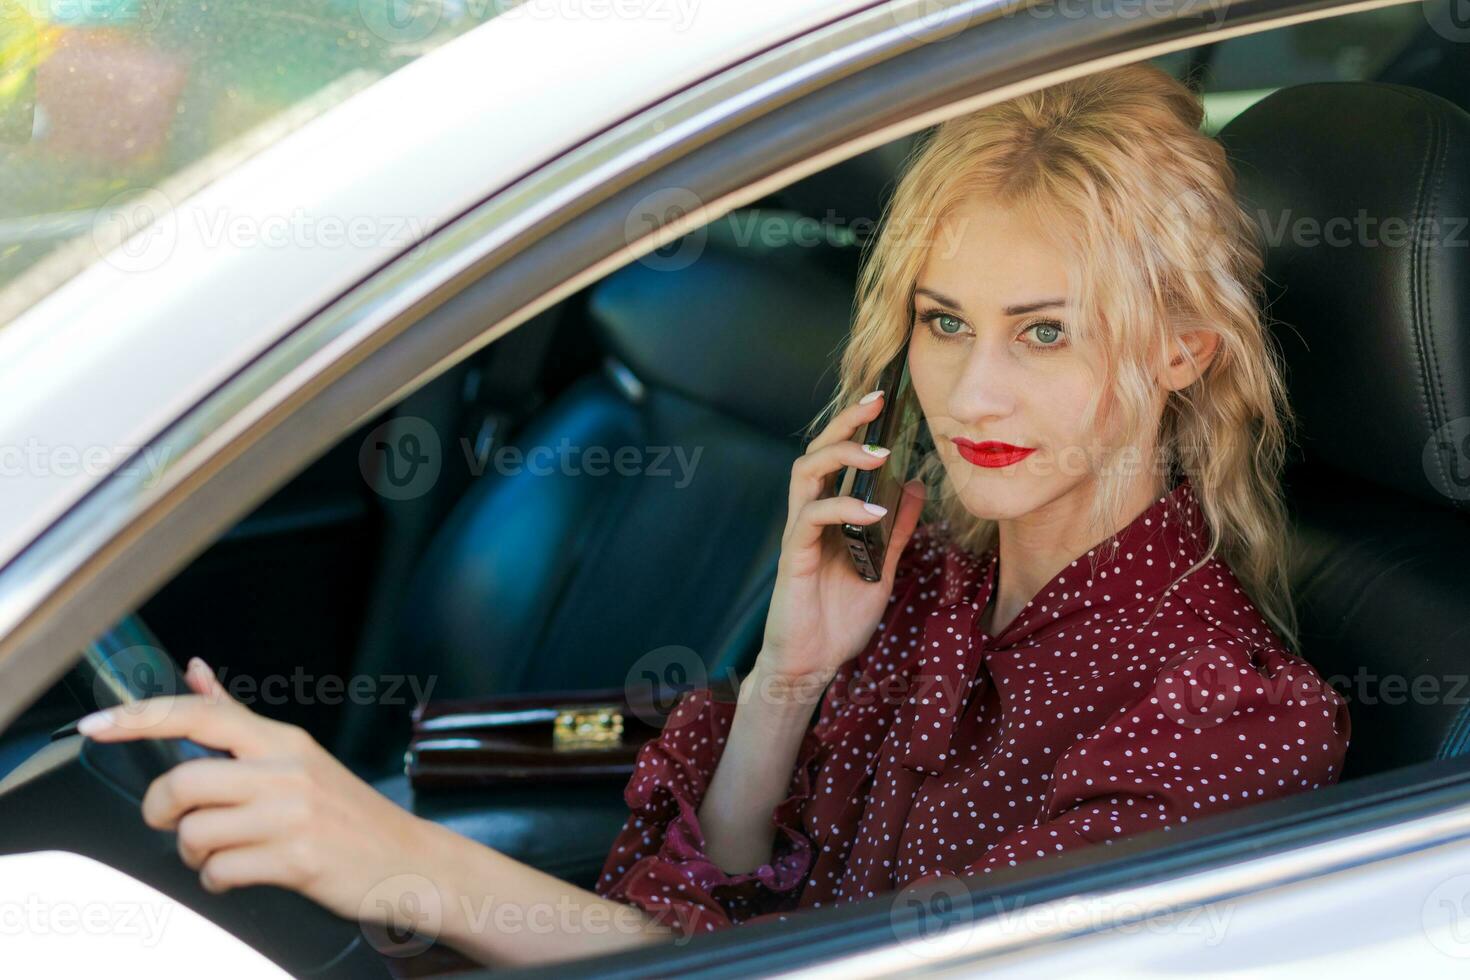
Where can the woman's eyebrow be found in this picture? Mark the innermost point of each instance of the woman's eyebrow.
(1009, 310)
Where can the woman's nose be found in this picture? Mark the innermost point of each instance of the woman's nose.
(985, 386)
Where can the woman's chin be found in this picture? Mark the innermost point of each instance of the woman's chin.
(996, 495)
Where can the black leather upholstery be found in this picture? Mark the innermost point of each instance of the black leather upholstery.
(565, 579)
(565, 831)
(562, 578)
(1372, 324)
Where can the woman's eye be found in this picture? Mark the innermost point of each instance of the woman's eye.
(1048, 333)
(943, 324)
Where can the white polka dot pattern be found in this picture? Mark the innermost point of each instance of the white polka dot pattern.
(1125, 696)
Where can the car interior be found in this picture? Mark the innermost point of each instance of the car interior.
(493, 577)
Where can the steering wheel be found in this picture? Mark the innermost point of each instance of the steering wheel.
(127, 665)
(122, 668)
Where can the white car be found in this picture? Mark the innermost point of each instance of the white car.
(326, 330)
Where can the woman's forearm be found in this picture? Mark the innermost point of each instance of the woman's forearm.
(499, 911)
(755, 768)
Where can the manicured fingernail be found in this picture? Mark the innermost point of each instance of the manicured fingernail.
(870, 397)
(95, 722)
(873, 450)
(878, 509)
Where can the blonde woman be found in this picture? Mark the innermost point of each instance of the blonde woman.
(1090, 636)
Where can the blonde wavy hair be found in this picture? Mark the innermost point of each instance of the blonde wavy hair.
(1158, 244)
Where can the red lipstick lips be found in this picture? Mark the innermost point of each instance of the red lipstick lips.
(992, 455)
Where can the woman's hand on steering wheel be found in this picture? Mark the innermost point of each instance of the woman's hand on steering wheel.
(282, 812)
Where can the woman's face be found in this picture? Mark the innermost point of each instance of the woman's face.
(992, 359)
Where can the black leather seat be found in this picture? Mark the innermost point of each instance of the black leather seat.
(564, 578)
(718, 353)
(564, 571)
(1373, 326)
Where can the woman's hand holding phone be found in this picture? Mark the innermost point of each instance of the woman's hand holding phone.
(822, 614)
(822, 611)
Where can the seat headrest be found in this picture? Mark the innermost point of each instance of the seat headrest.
(1360, 191)
(752, 327)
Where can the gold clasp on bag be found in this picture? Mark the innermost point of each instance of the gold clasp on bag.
(587, 726)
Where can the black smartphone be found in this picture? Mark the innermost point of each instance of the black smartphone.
(898, 428)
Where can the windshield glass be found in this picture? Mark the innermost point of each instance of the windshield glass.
(103, 101)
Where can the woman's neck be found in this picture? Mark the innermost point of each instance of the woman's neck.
(1034, 548)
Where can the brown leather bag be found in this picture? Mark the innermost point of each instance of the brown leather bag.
(558, 736)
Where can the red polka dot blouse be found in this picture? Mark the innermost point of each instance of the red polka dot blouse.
(1130, 693)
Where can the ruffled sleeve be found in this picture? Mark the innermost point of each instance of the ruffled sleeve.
(1220, 727)
(659, 861)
